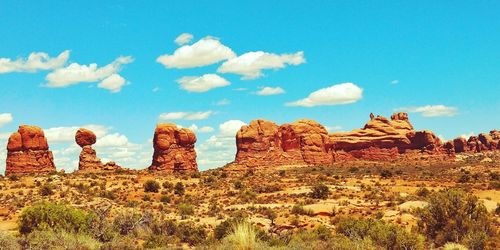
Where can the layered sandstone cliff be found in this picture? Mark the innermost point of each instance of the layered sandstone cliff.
(173, 149)
(88, 157)
(28, 152)
(482, 142)
(264, 143)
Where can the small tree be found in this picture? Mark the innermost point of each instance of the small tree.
(179, 188)
(151, 186)
(270, 214)
(186, 210)
(46, 189)
(454, 216)
(320, 191)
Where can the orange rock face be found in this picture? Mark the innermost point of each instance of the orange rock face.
(479, 143)
(173, 149)
(85, 137)
(263, 143)
(28, 152)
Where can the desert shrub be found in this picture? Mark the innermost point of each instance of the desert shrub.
(46, 189)
(49, 239)
(423, 192)
(191, 234)
(151, 186)
(299, 209)
(385, 173)
(282, 173)
(14, 177)
(248, 196)
(127, 222)
(388, 236)
(455, 216)
(270, 214)
(121, 243)
(167, 185)
(320, 191)
(46, 215)
(454, 246)
(225, 227)
(186, 210)
(464, 178)
(238, 184)
(165, 199)
(243, 236)
(8, 241)
(179, 189)
(195, 175)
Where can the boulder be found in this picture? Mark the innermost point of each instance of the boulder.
(173, 149)
(85, 137)
(28, 152)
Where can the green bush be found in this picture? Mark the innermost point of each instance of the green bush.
(179, 189)
(46, 215)
(49, 239)
(8, 241)
(46, 189)
(320, 191)
(186, 210)
(165, 199)
(191, 234)
(151, 186)
(225, 227)
(121, 243)
(455, 216)
(388, 236)
(299, 209)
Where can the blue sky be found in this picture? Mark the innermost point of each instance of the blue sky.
(438, 60)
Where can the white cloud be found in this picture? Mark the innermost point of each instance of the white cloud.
(76, 73)
(204, 129)
(202, 83)
(240, 89)
(67, 134)
(251, 64)
(113, 83)
(185, 115)
(270, 91)
(466, 136)
(219, 149)
(342, 93)
(394, 81)
(431, 110)
(223, 102)
(36, 61)
(5, 118)
(206, 51)
(333, 128)
(229, 128)
(155, 89)
(112, 140)
(183, 38)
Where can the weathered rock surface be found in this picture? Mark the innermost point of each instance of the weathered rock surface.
(88, 157)
(479, 143)
(264, 143)
(173, 149)
(28, 152)
(384, 139)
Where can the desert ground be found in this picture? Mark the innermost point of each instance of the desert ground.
(277, 201)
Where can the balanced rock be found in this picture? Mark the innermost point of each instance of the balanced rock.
(28, 152)
(88, 157)
(173, 149)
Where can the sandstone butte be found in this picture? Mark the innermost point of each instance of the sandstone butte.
(88, 157)
(28, 152)
(264, 143)
(173, 149)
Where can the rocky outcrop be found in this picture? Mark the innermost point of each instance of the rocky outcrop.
(384, 139)
(264, 143)
(173, 149)
(479, 143)
(28, 152)
(88, 157)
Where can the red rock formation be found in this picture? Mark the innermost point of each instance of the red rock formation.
(263, 143)
(28, 152)
(88, 157)
(460, 145)
(173, 149)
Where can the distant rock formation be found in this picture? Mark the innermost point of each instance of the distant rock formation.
(28, 152)
(173, 149)
(88, 157)
(264, 143)
(479, 143)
